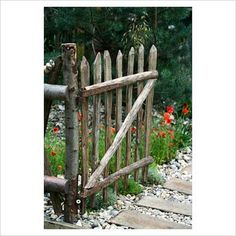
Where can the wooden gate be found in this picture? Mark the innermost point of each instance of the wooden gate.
(139, 85)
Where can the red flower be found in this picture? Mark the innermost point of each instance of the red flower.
(52, 153)
(167, 118)
(80, 116)
(185, 110)
(162, 134)
(59, 168)
(55, 130)
(170, 109)
(171, 133)
(113, 130)
(155, 129)
(133, 129)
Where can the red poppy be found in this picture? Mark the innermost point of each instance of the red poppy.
(170, 109)
(80, 116)
(155, 129)
(167, 118)
(52, 153)
(185, 110)
(133, 129)
(59, 168)
(55, 130)
(113, 130)
(171, 133)
(162, 134)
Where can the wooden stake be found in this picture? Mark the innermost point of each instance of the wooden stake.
(118, 112)
(85, 75)
(97, 77)
(108, 107)
(140, 113)
(148, 109)
(129, 96)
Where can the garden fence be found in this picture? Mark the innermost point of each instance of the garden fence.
(117, 94)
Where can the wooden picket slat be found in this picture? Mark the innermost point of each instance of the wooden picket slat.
(85, 75)
(108, 108)
(129, 96)
(97, 78)
(140, 113)
(152, 61)
(118, 111)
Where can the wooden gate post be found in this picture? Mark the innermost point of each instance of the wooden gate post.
(70, 75)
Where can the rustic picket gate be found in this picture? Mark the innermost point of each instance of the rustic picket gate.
(70, 92)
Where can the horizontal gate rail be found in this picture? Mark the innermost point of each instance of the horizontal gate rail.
(52, 91)
(116, 83)
(115, 176)
(54, 184)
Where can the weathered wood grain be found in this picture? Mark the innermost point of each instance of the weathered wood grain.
(70, 75)
(55, 92)
(140, 113)
(179, 185)
(85, 76)
(54, 184)
(108, 109)
(165, 205)
(115, 176)
(97, 78)
(137, 220)
(121, 133)
(148, 109)
(116, 83)
(129, 98)
(119, 71)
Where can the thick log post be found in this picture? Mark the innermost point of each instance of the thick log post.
(70, 74)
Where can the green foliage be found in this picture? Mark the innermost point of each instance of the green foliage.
(55, 149)
(154, 177)
(133, 187)
(97, 29)
(99, 203)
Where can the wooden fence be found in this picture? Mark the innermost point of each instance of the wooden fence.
(117, 93)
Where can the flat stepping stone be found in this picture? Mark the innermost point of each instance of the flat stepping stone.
(165, 205)
(137, 220)
(187, 169)
(179, 185)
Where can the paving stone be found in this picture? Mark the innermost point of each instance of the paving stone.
(165, 205)
(187, 169)
(179, 185)
(137, 220)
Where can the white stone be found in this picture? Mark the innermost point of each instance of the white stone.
(79, 223)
